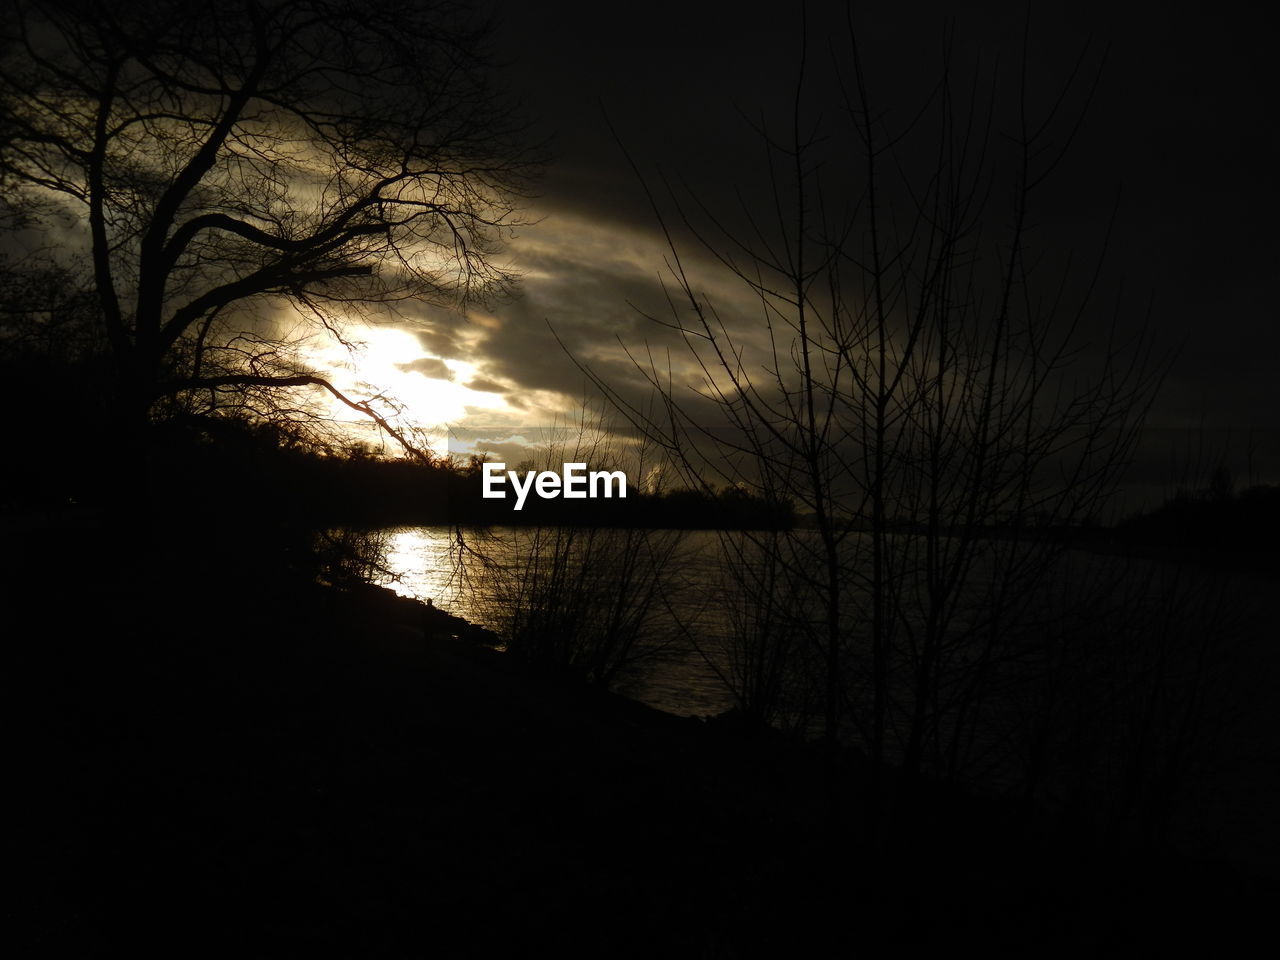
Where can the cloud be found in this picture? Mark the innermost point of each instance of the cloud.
(431, 367)
(484, 385)
(440, 340)
(511, 452)
(589, 288)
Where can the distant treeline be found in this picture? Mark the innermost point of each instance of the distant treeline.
(1216, 520)
(256, 469)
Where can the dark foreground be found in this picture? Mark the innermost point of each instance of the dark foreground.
(213, 754)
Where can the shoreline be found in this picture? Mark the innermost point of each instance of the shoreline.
(308, 770)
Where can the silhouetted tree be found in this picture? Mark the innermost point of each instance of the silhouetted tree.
(911, 381)
(241, 175)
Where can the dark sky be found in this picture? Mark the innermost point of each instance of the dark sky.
(1181, 133)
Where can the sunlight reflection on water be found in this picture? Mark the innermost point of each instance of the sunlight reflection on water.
(1150, 615)
(437, 563)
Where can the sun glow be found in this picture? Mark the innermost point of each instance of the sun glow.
(412, 388)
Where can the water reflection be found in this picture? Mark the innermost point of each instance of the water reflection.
(488, 575)
(1089, 676)
(1075, 636)
(421, 564)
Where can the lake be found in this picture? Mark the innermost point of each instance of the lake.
(684, 600)
(483, 574)
(1122, 672)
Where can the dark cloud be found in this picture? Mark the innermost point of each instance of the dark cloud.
(600, 296)
(510, 452)
(429, 367)
(1171, 171)
(441, 341)
(484, 385)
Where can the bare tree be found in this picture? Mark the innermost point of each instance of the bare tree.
(589, 598)
(939, 405)
(243, 173)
